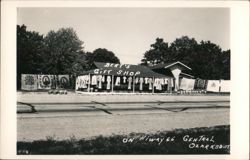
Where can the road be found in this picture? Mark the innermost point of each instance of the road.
(87, 119)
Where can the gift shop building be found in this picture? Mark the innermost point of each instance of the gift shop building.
(110, 77)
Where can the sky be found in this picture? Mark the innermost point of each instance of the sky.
(129, 32)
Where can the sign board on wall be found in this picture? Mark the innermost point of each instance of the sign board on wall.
(124, 70)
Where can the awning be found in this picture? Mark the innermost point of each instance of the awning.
(123, 70)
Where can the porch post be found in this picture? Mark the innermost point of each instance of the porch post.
(133, 84)
(153, 89)
(169, 85)
(89, 83)
(112, 84)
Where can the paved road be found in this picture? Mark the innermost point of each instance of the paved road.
(43, 97)
(89, 119)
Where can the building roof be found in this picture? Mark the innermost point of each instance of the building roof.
(123, 70)
(169, 65)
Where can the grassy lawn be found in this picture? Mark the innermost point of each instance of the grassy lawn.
(207, 140)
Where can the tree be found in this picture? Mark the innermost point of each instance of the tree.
(206, 59)
(100, 55)
(226, 64)
(183, 49)
(62, 48)
(179, 50)
(158, 53)
(80, 63)
(30, 49)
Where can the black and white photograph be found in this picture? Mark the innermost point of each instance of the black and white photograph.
(123, 81)
(127, 80)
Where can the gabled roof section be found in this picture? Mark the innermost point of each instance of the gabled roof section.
(169, 65)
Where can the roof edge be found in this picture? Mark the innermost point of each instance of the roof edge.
(179, 63)
(187, 74)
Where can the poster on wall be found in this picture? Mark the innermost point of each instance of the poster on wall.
(225, 86)
(213, 85)
(29, 82)
(187, 84)
(45, 81)
(200, 84)
(63, 81)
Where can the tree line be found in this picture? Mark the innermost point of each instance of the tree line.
(206, 59)
(62, 52)
(58, 52)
